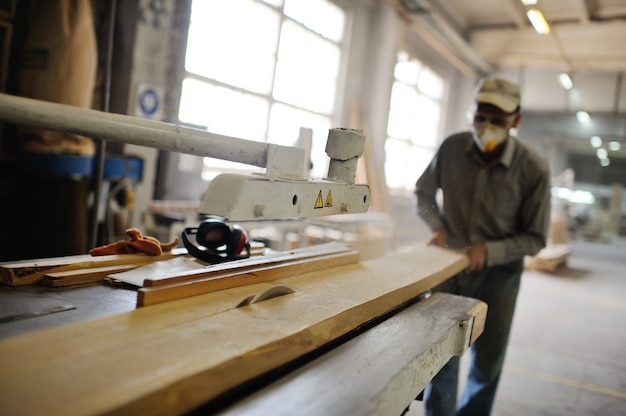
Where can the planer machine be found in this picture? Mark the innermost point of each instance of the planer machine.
(282, 192)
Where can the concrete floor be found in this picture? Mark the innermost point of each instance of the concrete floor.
(568, 345)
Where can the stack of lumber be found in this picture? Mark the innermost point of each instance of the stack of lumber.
(166, 281)
(550, 258)
(80, 269)
(172, 357)
(64, 271)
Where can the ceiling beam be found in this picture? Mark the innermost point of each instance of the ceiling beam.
(609, 12)
(517, 13)
(582, 10)
(434, 29)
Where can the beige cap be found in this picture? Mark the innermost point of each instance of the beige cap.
(499, 92)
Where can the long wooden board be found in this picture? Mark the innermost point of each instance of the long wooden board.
(188, 269)
(252, 263)
(87, 275)
(178, 265)
(153, 295)
(172, 357)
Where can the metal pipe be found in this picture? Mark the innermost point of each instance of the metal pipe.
(101, 144)
(130, 130)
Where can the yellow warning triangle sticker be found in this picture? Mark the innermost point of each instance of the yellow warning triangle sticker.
(319, 202)
(329, 200)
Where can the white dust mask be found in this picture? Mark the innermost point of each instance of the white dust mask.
(487, 136)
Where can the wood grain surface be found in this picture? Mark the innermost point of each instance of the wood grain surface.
(172, 357)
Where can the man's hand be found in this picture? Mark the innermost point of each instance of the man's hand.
(477, 256)
(477, 253)
(439, 238)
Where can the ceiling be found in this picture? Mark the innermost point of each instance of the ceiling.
(586, 40)
(586, 34)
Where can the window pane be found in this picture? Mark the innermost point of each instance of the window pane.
(413, 123)
(321, 16)
(285, 123)
(404, 163)
(233, 42)
(426, 123)
(407, 71)
(403, 112)
(306, 73)
(430, 84)
(223, 111)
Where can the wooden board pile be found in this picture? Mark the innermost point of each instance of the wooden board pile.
(550, 258)
(70, 270)
(81, 269)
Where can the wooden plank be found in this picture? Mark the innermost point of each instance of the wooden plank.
(223, 269)
(28, 272)
(215, 270)
(172, 357)
(379, 372)
(89, 275)
(262, 273)
(550, 258)
(178, 265)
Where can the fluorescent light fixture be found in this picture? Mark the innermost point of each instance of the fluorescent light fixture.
(583, 116)
(596, 141)
(539, 22)
(614, 146)
(529, 2)
(602, 153)
(566, 81)
(605, 162)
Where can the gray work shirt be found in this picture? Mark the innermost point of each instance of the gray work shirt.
(505, 203)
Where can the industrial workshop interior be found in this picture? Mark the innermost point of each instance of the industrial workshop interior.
(210, 207)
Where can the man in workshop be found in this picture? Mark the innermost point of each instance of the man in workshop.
(496, 209)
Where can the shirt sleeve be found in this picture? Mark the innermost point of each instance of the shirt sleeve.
(426, 193)
(534, 220)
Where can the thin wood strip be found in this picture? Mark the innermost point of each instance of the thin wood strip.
(223, 269)
(180, 264)
(89, 275)
(171, 357)
(264, 273)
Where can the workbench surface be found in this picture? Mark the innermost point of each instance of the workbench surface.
(205, 350)
(32, 308)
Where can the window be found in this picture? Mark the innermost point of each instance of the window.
(260, 70)
(413, 124)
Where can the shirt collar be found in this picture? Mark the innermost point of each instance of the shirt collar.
(509, 150)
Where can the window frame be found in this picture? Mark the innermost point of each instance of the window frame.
(342, 46)
(411, 142)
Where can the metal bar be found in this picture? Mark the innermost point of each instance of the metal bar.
(130, 130)
(101, 144)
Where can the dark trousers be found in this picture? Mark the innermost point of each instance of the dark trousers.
(497, 286)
